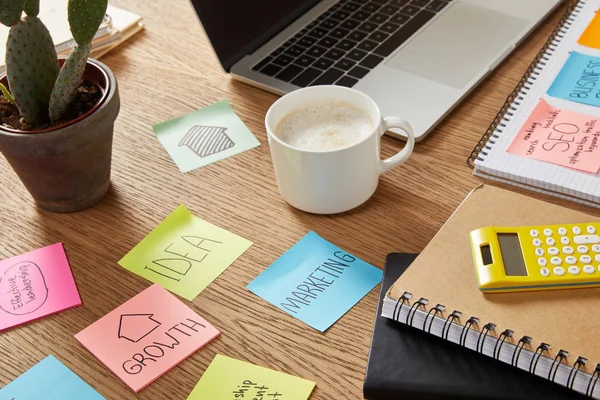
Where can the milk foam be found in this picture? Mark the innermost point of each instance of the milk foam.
(324, 126)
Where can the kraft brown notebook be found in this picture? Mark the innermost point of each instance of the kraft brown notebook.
(554, 334)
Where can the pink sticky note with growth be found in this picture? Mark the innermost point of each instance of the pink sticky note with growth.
(560, 137)
(34, 285)
(145, 337)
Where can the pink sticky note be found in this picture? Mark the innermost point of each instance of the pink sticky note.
(35, 285)
(560, 137)
(145, 337)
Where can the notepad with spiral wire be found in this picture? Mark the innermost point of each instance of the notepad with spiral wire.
(495, 157)
(553, 334)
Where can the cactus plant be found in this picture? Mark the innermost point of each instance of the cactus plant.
(43, 92)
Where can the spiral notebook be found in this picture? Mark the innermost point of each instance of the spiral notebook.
(490, 158)
(552, 334)
(409, 364)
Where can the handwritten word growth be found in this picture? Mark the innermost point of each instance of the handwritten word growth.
(156, 350)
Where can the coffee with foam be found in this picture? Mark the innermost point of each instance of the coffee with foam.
(324, 126)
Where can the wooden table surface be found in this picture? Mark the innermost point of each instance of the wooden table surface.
(167, 71)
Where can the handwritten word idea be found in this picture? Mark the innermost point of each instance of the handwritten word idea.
(145, 337)
(560, 137)
(578, 80)
(34, 285)
(230, 379)
(49, 380)
(316, 281)
(184, 254)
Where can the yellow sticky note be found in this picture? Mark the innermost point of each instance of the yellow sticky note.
(184, 254)
(591, 35)
(227, 379)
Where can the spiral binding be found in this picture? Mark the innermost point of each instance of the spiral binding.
(518, 94)
(484, 333)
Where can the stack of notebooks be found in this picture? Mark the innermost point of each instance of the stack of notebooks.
(118, 26)
(544, 151)
(516, 342)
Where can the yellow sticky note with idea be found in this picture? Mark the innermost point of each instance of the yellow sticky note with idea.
(591, 35)
(227, 378)
(184, 253)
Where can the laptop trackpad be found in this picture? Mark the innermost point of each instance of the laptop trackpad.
(464, 41)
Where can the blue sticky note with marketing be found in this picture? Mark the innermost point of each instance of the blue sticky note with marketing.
(578, 80)
(49, 380)
(316, 281)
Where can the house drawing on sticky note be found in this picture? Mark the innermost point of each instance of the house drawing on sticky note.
(207, 140)
(135, 327)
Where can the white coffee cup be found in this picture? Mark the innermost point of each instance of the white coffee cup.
(332, 181)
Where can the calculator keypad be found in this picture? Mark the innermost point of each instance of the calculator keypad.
(567, 250)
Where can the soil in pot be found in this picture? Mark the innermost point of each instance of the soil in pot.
(88, 95)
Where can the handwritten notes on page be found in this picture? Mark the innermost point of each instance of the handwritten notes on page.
(34, 285)
(591, 35)
(184, 254)
(145, 337)
(205, 136)
(578, 80)
(560, 137)
(49, 380)
(227, 379)
(316, 281)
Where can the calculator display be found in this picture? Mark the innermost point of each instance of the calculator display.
(512, 254)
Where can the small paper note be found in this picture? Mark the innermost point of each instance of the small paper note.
(184, 254)
(205, 136)
(316, 281)
(560, 137)
(49, 380)
(230, 379)
(578, 80)
(145, 337)
(34, 285)
(591, 35)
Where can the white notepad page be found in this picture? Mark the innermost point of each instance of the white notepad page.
(494, 162)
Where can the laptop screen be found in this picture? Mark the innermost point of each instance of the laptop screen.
(238, 27)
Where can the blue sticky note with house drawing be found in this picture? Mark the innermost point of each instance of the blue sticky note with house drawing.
(578, 80)
(49, 380)
(316, 281)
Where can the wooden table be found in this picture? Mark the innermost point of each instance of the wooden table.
(170, 70)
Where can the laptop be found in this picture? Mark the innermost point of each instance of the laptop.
(415, 58)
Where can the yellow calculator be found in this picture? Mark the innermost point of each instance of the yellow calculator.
(513, 259)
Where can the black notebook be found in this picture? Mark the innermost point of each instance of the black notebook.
(406, 363)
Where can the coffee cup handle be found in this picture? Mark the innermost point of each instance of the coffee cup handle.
(394, 161)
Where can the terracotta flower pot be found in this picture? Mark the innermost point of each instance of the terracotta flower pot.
(66, 168)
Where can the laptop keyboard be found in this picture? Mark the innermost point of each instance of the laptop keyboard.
(343, 44)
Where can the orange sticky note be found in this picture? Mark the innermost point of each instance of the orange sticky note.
(560, 137)
(591, 35)
(145, 337)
